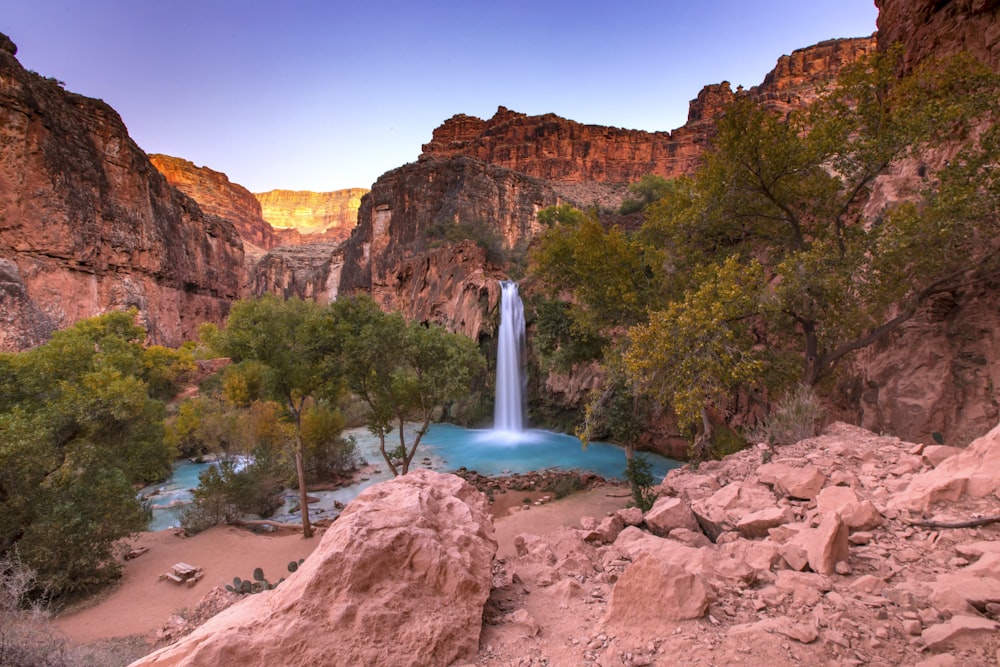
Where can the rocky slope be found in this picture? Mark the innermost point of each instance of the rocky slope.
(330, 216)
(844, 549)
(87, 224)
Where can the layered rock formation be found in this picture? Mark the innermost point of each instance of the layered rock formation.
(557, 149)
(308, 271)
(327, 215)
(933, 28)
(400, 578)
(218, 196)
(88, 225)
(399, 255)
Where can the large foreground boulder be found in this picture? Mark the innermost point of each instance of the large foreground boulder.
(401, 578)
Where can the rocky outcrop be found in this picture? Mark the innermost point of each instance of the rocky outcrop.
(309, 271)
(558, 149)
(218, 196)
(88, 225)
(330, 216)
(928, 28)
(404, 252)
(401, 578)
(874, 567)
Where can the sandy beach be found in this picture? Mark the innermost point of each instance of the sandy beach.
(141, 602)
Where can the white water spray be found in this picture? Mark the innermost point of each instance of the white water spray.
(512, 380)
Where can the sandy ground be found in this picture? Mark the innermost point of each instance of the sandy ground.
(141, 603)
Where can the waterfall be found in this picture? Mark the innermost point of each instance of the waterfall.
(512, 380)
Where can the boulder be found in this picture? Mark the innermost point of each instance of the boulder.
(401, 578)
(976, 472)
(669, 513)
(857, 514)
(795, 481)
(959, 631)
(756, 524)
(652, 591)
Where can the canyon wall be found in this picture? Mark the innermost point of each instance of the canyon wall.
(558, 149)
(934, 28)
(327, 215)
(88, 225)
(399, 252)
(218, 196)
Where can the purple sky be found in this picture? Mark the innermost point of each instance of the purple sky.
(325, 94)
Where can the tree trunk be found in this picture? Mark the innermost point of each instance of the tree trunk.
(300, 471)
(811, 370)
(385, 454)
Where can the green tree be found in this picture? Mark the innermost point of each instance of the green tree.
(77, 430)
(275, 350)
(770, 245)
(402, 371)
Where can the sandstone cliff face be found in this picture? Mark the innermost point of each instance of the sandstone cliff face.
(216, 195)
(392, 255)
(557, 149)
(934, 28)
(308, 271)
(327, 215)
(88, 225)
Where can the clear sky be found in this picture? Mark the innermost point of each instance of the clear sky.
(328, 94)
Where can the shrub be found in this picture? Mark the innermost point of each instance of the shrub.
(797, 417)
(639, 473)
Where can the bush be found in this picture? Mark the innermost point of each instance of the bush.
(639, 473)
(478, 231)
(797, 417)
(26, 638)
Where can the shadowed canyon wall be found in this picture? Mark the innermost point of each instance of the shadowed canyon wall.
(88, 225)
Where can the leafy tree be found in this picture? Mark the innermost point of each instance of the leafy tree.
(402, 371)
(275, 351)
(644, 192)
(77, 430)
(769, 246)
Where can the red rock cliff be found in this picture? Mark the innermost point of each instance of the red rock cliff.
(933, 27)
(557, 149)
(217, 195)
(88, 225)
(394, 254)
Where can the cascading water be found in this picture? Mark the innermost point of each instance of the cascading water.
(512, 381)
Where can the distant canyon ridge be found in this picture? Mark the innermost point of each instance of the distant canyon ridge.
(90, 223)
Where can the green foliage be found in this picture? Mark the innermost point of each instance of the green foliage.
(648, 189)
(639, 474)
(563, 340)
(166, 370)
(328, 454)
(479, 231)
(281, 351)
(766, 248)
(402, 371)
(612, 276)
(77, 430)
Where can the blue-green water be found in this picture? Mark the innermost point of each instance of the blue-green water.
(501, 453)
(445, 447)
